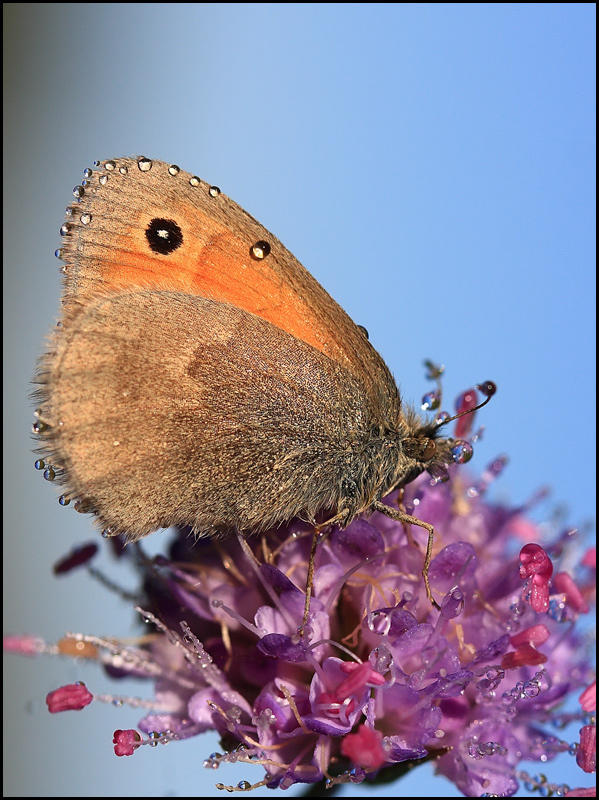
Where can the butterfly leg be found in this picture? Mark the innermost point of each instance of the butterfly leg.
(401, 517)
(310, 578)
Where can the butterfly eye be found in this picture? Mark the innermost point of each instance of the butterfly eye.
(420, 448)
(164, 236)
(430, 450)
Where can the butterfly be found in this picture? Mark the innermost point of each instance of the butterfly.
(200, 376)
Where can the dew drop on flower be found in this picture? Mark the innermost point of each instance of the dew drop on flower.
(557, 610)
(531, 689)
(357, 775)
(431, 400)
(461, 452)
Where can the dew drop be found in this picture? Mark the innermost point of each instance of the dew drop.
(87, 173)
(64, 500)
(86, 219)
(431, 401)
(123, 170)
(49, 474)
(39, 427)
(439, 474)
(145, 164)
(110, 166)
(214, 191)
(78, 191)
(244, 786)
(357, 775)
(531, 689)
(233, 714)
(58, 253)
(65, 229)
(103, 180)
(173, 170)
(473, 751)
(364, 331)
(557, 610)
(40, 463)
(461, 452)
(260, 250)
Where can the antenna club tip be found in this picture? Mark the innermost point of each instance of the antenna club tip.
(488, 388)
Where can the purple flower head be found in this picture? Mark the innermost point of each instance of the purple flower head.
(378, 677)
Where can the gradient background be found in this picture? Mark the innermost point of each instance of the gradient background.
(432, 164)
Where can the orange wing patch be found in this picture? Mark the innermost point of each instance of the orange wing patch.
(107, 250)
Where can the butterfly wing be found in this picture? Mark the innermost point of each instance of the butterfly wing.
(171, 409)
(142, 223)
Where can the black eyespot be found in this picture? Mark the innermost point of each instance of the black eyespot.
(164, 236)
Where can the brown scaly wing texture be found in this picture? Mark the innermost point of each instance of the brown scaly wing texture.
(219, 257)
(169, 409)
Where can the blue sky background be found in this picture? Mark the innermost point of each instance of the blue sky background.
(432, 165)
